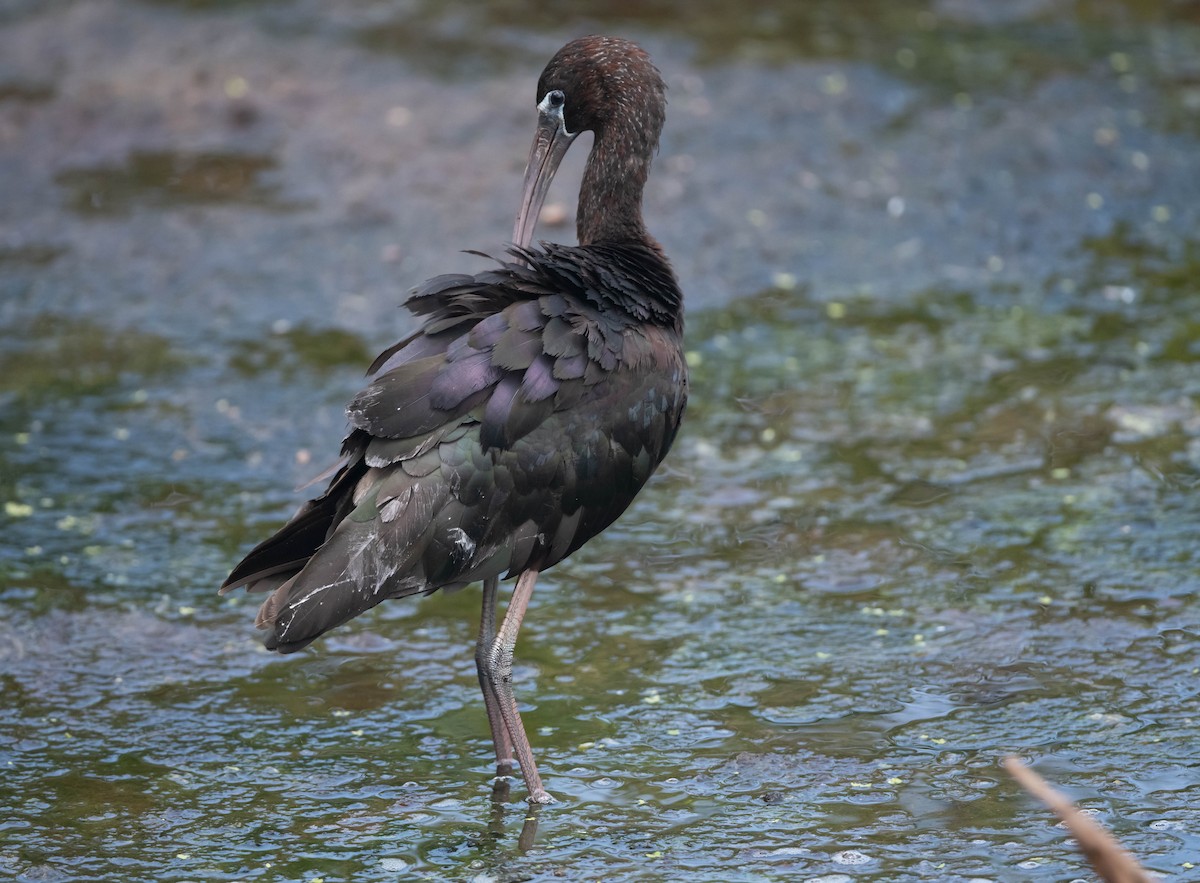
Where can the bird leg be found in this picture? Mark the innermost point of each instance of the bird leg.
(483, 647)
(497, 677)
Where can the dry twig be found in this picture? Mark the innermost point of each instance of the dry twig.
(1111, 862)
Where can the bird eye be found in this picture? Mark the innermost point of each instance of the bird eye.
(552, 102)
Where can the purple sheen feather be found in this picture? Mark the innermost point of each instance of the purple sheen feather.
(458, 380)
(516, 350)
(539, 382)
(560, 339)
(527, 316)
(415, 346)
(429, 296)
(484, 335)
(570, 367)
(493, 434)
(460, 348)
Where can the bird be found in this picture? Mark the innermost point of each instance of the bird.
(524, 415)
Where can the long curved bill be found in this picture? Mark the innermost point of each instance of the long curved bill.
(550, 144)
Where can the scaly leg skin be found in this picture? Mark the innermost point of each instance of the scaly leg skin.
(498, 675)
(500, 738)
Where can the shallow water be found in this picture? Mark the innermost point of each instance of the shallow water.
(935, 501)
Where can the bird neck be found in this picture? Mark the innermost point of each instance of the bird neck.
(610, 195)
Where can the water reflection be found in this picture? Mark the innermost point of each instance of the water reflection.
(907, 530)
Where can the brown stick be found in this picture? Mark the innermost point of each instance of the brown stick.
(1110, 861)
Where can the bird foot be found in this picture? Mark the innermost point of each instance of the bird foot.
(500, 786)
(541, 798)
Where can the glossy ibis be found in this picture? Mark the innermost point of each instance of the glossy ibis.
(521, 419)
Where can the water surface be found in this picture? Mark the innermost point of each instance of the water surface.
(935, 501)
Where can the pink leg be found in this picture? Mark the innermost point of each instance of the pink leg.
(497, 676)
(487, 636)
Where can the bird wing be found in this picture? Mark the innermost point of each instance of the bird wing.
(519, 422)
